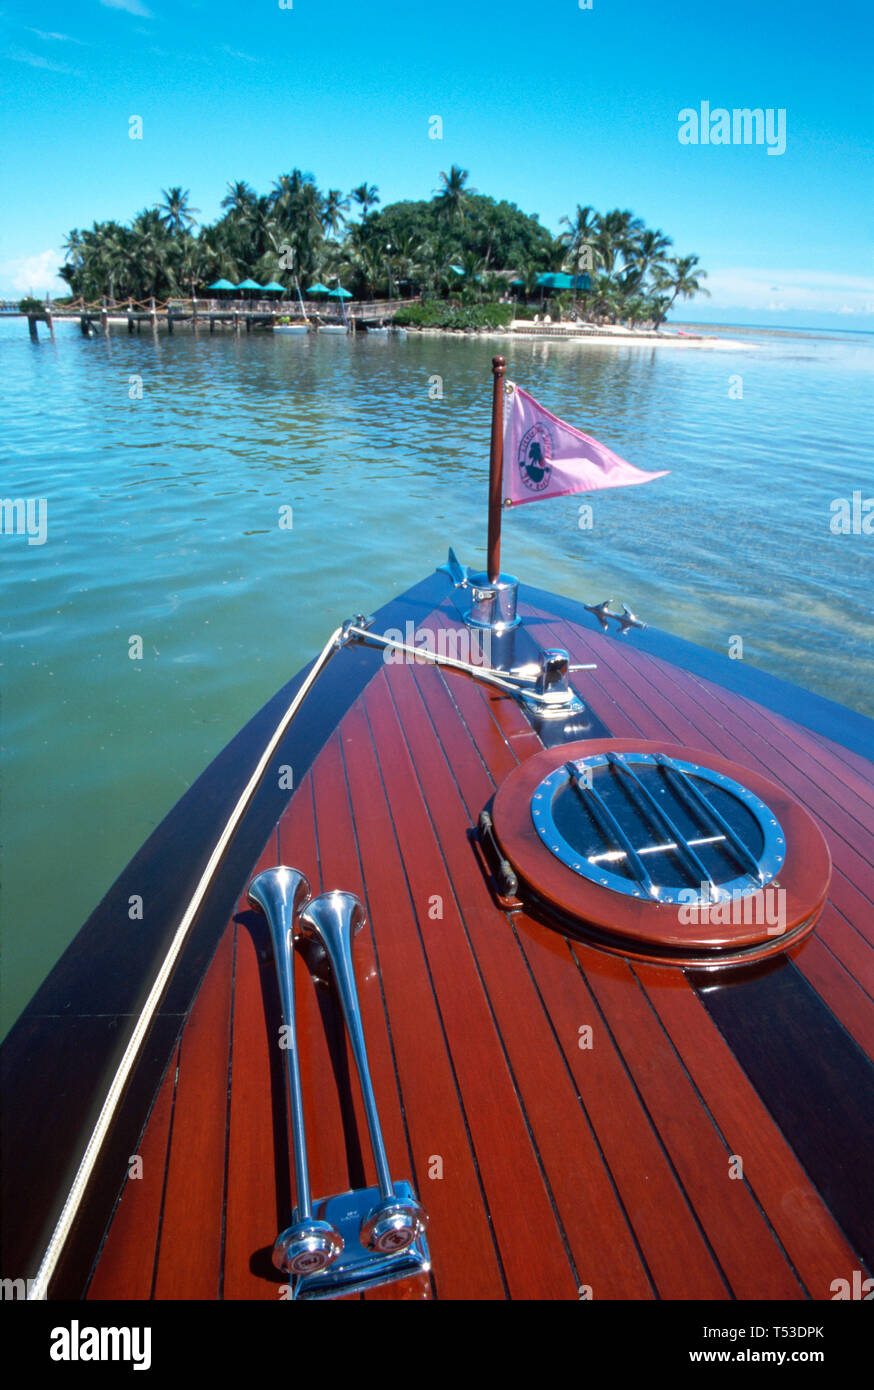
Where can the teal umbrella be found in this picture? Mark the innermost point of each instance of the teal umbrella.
(339, 293)
(318, 288)
(275, 286)
(221, 285)
(249, 285)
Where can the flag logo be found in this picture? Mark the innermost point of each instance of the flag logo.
(535, 452)
(546, 457)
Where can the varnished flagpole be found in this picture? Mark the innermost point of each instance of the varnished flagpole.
(496, 469)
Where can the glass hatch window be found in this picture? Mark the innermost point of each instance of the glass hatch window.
(652, 826)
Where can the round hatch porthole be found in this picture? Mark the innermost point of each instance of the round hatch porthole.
(663, 852)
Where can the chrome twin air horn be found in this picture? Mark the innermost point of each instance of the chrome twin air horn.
(308, 1246)
(360, 1239)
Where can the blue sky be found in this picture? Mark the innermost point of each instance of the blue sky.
(545, 103)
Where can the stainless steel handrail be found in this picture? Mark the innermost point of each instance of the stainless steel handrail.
(695, 799)
(661, 819)
(609, 825)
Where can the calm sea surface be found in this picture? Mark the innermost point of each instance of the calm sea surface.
(162, 523)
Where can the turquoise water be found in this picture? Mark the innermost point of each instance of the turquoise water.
(162, 523)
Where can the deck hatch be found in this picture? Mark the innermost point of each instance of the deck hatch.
(653, 826)
(660, 852)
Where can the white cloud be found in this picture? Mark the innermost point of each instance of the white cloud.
(60, 38)
(235, 53)
(132, 7)
(34, 274)
(821, 291)
(34, 60)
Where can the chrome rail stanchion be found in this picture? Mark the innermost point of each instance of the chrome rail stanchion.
(396, 1220)
(308, 1246)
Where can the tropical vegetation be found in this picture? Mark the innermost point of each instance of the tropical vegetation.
(460, 246)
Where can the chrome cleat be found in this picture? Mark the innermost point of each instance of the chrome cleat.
(601, 611)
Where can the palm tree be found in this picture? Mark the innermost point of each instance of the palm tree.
(113, 257)
(407, 255)
(452, 197)
(648, 251)
(149, 253)
(219, 257)
(367, 197)
(334, 208)
(473, 267)
(239, 197)
(175, 212)
(581, 230)
(681, 280)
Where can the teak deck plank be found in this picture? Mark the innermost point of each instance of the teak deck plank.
(680, 1261)
(562, 1166)
(478, 787)
(465, 1259)
(592, 1219)
(530, 1244)
(800, 1218)
(126, 1265)
(189, 1253)
(739, 1234)
(341, 868)
(660, 714)
(257, 1181)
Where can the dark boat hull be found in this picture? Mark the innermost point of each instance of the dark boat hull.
(548, 1168)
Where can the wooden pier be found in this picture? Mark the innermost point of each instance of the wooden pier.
(236, 315)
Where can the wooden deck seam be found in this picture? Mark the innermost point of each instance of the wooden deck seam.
(840, 833)
(671, 683)
(156, 1252)
(487, 997)
(620, 1202)
(869, 993)
(646, 1110)
(728, 1148)
(391, 1043)
(560, 1050)
(230, 1076)
(789, 729)
(439, 1012)
(683, 737)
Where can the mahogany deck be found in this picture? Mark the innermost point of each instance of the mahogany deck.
(548, 1170)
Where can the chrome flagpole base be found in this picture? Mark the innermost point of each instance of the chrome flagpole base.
(493, 605)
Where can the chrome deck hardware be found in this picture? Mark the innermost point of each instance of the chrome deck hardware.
(493, 603)
(354, 1240)
(458, 573)
(539, 684)
(551, 694)
(396, 1221)
(308, 1245)
(601, 611)
(624, 620)
(656, 826)
(627, 620)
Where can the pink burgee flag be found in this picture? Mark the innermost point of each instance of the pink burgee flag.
(544, 457)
